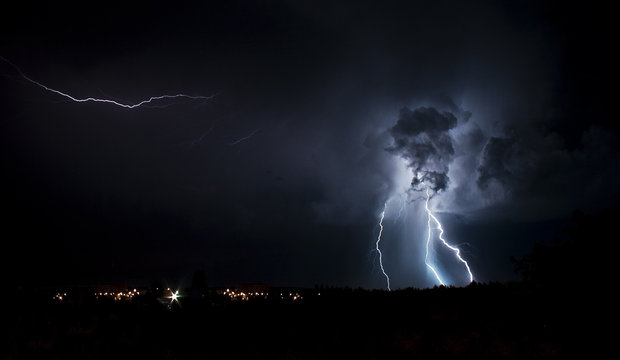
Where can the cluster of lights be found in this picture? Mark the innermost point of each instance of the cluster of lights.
(245, 296)
(174, 296)
(117, 296)
(240, 295)
(291, 296)
(60, 296)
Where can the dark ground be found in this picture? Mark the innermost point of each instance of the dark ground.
(565, 307)
(480, 321)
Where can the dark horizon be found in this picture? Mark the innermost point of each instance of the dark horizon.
(302, 125)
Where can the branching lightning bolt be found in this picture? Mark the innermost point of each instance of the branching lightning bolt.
(457, 251)
(108, 101)
(377, 246)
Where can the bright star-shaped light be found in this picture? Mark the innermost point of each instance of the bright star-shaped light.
(174, 296)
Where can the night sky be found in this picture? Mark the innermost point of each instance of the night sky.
(322, 112)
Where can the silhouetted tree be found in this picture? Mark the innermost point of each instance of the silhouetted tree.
(582, 254)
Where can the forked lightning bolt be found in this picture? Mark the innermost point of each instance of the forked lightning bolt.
(377, 246)
(432, 218)
(108, 101)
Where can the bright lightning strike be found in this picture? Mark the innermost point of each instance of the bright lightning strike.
(457, 251)
(377, 246)
(108, 101)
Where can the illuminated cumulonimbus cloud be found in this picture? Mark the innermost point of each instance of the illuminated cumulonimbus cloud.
(421, 137)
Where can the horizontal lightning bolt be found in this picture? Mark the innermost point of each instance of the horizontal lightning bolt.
(108, 101)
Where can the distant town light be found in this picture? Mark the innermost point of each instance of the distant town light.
(174, 296)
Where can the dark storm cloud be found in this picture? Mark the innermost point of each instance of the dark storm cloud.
(535, 175)
(438, 181)
(423, 119)
(421, 137)
(494, 161)
(509, 101)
